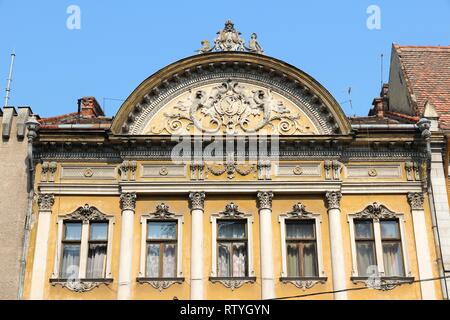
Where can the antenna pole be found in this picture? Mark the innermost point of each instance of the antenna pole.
(8, 83)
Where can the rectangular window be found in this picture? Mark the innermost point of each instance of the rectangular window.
(232, 243)
(97, 249)
(71, 247)
(365, 248)
(161, 249)
(392, 248)
(301, 248)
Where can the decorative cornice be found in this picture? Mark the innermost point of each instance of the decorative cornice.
(415, 200)
(376, 212)
(128, 201)
(333, 199)
(264, 200)
(86, 214)
(46, 202)
(197, 200)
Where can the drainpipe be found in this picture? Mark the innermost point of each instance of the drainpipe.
(424, 126)
(33, 127)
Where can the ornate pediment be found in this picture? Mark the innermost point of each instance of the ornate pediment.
(231, 107)
(376, 211)
(87, 213)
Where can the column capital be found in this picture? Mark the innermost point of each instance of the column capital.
(128, 201)
(264, 200)
(333, 199)
(197, 200)
(46, 202)
(415, 200)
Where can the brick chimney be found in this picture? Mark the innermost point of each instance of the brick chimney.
(90, 108)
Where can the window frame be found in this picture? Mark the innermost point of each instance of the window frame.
(378, 243)
(248, 218)
(84, 247)
(316, 217)
(179, 244)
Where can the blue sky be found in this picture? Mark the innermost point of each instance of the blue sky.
(121, 43)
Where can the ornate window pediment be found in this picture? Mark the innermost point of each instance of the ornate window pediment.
(376, 212)
(86, 213)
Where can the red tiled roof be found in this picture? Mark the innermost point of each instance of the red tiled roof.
(427, 73)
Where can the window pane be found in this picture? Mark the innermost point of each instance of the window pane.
(300, 230)
(239, 260)
(309, 260)
(96, 264)
(393, 259)
(72, 231)
(70, 261)
(292, 261)
(389, 229)
(363, 229)
(152, 269)
(366, 259)
(224, 259)
(99, 231)
(162, 230)
(231, 229)
(169, 261)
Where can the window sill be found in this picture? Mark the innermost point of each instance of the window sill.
(232, 282)
(382, 283)
(304, 282)
(160, 283)
(80, 285)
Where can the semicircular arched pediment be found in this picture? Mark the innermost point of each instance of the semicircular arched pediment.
(230, 93)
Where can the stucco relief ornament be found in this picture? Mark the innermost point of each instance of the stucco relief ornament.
(197, 200)
(80, 286)
(333, 199)
(299, 211)
(230, 167)
(416, 200)
(229, 39)
(232, 211)
(376, 212)
(233, 108)
(87, 213)
(264, 200)
(128, 201)
(232, 283)
(304, 284)
(46, 202)
(162, 212)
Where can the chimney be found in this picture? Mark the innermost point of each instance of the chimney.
(90, 108)
(378, 107)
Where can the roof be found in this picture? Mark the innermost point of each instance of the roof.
(427, 74)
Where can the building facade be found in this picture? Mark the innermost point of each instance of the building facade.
(231, 175)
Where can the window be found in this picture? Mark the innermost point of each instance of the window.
(232, 246)
(84, 246)
(161, 249)
(365, 247)
(301, 249)
(378, 243)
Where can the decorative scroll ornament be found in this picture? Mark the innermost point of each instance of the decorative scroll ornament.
(229, 39)
(231, 167)
(416, 200)
(46, 202)
(303, 283)
(87, 213)
(128, 201)
(376, 212)
(232, 107)
(232, 211)
(162, 212)
(197, 200)
(264, 200)
(299, 212)
(383, 284)
(161, 284)
(232, 283)
(79, 286)
(333, 199)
